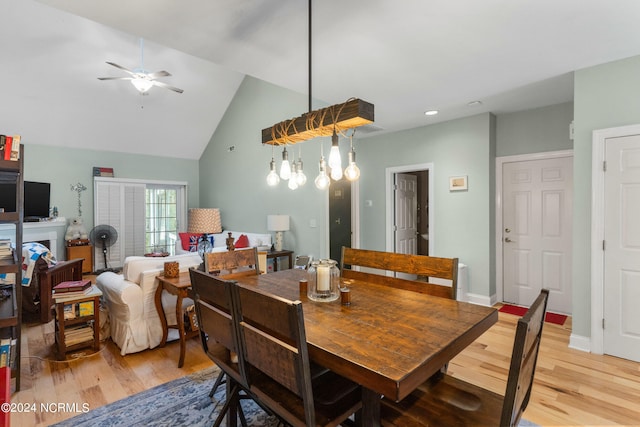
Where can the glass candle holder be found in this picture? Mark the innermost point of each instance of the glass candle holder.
(324, 281)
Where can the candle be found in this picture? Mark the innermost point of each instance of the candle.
(324, 277)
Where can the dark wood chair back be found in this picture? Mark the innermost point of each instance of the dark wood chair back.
(232, 264)
(272, 335)
(214, 314)
(420, 265)
(272, 332)
(523, 360)
(49, 277)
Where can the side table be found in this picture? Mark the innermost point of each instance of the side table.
(180, 287)
(81, 328)
(276, 255)
(82, 251)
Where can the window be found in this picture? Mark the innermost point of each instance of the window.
(161, 218)
(146, 216)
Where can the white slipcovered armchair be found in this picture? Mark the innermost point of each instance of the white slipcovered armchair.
(130, 299)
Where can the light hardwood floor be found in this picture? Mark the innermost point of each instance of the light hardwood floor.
(571, 387)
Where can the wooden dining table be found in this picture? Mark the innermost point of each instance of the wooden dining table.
(388, 340)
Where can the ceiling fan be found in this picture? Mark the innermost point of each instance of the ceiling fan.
(140, 78)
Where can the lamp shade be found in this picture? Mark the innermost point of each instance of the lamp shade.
(204, 221)
(278, 222)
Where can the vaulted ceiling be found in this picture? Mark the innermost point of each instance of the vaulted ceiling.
(405, 57)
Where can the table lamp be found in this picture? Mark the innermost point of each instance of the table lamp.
(204, 221)
(278, 223)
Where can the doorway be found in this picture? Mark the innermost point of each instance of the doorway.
(409, 192)
(534, 228)
(340, 229)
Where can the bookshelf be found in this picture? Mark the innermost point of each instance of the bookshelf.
(11, 172)
(77, 323)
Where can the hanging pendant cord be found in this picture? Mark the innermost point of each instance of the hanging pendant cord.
(309, 55)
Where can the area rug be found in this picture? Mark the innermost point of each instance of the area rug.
(182, 402)
(555, 318)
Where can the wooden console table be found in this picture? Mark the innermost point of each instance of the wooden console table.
(276, 255)
(180, 287)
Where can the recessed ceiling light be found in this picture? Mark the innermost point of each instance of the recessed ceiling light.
(474, 103)
(431, 113)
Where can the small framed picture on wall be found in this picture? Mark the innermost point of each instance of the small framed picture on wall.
(458, 183)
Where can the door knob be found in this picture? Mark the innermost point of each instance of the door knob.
(507, 230)
(508, 240)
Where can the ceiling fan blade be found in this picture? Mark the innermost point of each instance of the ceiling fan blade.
(115, 78)
(126, 70)
(166, 86)
(157, 74)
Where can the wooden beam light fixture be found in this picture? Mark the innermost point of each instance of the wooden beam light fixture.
(326, 121)
(340, 117)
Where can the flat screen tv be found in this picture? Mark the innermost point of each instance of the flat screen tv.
(36, 199)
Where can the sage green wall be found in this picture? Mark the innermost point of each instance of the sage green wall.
(534, 131)
(235, 180)
(606, 96)
(63, 167)
(463, 222)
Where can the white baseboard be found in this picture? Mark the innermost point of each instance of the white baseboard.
(479, 299)
(579, 342)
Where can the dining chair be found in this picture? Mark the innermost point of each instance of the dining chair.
(232, 264)
(449, 401)
(377, 263)
(272, 336)
(218, 336)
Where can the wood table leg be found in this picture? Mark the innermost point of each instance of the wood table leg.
(163, 318)
(181, 331)
(370, 408)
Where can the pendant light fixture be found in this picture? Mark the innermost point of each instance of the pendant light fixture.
(352, 172)
(328, 121)
(335, 161)
(300, 177)
(272, 178)
(293, 179)
(285, 167)
(322, 180)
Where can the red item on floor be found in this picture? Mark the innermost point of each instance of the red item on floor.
(557, 319)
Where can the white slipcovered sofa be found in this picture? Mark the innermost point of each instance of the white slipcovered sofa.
(130, 299)
(260, 241)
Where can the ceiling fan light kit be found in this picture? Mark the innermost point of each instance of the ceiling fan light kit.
(140, 78)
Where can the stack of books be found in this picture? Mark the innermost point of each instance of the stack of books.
(72, 288)
(10, 147)
(7, 352)
(77, 334)
(6, 251)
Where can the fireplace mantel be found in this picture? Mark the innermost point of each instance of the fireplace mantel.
(52, 230)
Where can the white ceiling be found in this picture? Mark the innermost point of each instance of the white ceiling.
(404, 57)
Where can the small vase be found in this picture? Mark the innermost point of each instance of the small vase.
(324, 281)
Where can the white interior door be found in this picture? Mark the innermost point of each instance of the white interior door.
(622, 247)
(536, 236)
(406, 221)
(406, 217)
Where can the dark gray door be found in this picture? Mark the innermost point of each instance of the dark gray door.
(339, 217)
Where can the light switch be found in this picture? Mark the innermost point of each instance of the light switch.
(313, 223)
